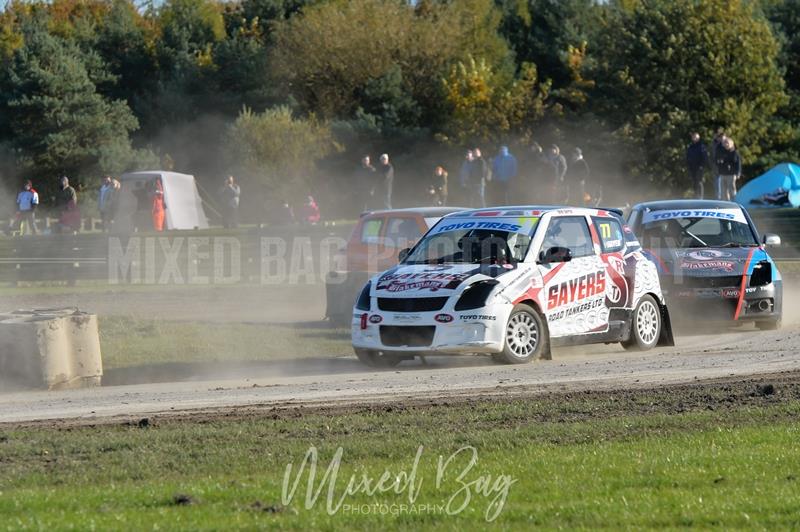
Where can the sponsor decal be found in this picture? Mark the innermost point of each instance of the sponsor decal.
(734, 292)
(730, 292)
(577, 289)
(723, 214)
(707, 254)
(430, 279)
(375, 318)
(722, 265)
(500, 226)
(577, 309)
(482, 317)
(443, 318)
(406, 317)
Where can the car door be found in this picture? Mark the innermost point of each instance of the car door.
(612, 239)
(574, 291)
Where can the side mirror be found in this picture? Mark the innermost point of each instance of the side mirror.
(555, 254)
(401, 256)
(770, 239)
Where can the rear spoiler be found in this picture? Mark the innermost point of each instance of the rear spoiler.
(613, 210)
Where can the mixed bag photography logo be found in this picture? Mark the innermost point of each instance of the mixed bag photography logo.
(450, 483)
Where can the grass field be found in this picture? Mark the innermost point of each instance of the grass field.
(729, 459)
(129, 342)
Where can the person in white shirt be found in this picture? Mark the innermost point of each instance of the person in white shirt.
(27, 201)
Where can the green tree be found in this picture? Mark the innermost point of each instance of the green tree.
(485, 105)
(278, 150)
(328, 54)
(784, 15)
(58, 122)
(553, 35)
(667, 67)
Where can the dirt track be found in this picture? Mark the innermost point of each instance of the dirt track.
(343, 381)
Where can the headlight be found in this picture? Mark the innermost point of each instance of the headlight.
(475, 295)
(362, 303)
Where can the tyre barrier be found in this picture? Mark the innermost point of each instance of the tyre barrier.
(50, 349)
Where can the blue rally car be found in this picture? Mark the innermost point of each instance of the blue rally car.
(712, 263)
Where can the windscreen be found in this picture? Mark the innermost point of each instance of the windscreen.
(679, 229)
(470, 241)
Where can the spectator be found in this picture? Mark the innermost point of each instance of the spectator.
(438, 187)
(560, 188)
(142, 217)
(386, 171)
(67, 204)
(159, 208)
(471, 180)
(504, 173)
(729, 165)
(310, 212)
(287, 213)
(27, 201)
(229, 194)
(716, 146)
(365, 182)
(107, 202)
(696, 162)
(580, 176)
(485, 170)
(532, 172)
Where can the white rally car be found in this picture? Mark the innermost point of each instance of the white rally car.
(512, 282)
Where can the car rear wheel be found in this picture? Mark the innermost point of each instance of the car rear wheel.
(645, 325)
(525, 336)
(377, 359)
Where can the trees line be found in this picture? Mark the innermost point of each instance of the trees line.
(288, 94)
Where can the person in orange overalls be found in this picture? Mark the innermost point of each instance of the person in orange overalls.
(158, 206)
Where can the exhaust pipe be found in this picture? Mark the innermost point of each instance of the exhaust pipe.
(763, 305)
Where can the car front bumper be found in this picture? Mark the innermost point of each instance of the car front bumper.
(719, 304)
(474, 331)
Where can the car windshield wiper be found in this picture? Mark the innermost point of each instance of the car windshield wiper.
(736, 245)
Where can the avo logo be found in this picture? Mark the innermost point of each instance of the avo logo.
(443, 318)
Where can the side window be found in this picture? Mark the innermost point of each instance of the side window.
(401, 232)
(371, 231)
(610, 232)
(569, 232)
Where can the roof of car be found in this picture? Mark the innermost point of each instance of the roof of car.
(428, 212)
(514, 210)
(687, 204)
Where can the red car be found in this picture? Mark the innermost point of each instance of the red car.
(373, 247)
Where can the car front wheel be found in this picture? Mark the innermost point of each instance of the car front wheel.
(525, 336)
(645, 325)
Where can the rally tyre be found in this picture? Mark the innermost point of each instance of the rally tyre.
(377, 359)
(645, 325)
(771, 325)
(525, 336)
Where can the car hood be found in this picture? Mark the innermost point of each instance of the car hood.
(423, 280)
(706, 262)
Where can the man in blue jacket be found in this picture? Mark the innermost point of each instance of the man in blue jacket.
(504, 171)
